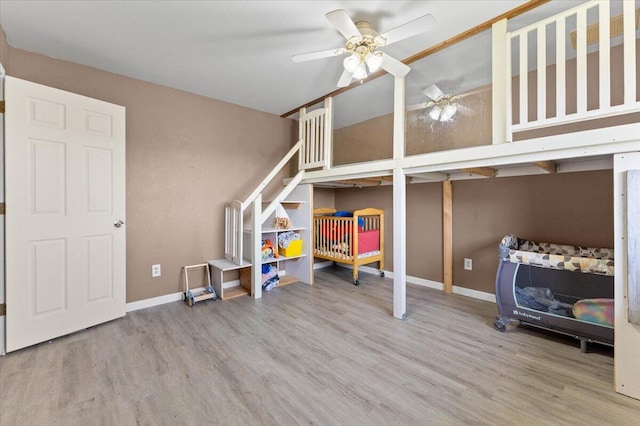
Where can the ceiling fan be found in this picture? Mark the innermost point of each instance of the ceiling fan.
(442, 107)
(363, 43)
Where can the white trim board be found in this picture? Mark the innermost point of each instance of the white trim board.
(463, 291)
(156, 301)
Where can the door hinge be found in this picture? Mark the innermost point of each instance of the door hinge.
(1, 107)
(2, 209)
(3, 309)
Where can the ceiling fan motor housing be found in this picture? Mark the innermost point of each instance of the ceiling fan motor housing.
(366, 43)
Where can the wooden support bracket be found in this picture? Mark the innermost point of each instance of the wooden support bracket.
(2, 209)
(3, 309)
(1, 107)
(447, 236)
(482, 171)
(549, 166)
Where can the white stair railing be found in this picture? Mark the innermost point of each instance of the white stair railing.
(233, 217)
(530, 42)
(313, 149)
(316, 133)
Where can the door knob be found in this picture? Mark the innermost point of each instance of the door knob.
(118, 223)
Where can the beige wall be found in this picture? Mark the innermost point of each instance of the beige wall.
(186, 156)
(571, 208)
(323, 197)
(568, 208)
(471, 126)
(373, 139)
(365, 141)
(424, 224)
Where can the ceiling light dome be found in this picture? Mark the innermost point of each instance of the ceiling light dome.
(448, 112)
(351, 63)
(374, 61)
(361, 72)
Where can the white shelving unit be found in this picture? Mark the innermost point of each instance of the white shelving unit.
(293, 268)
(218, 269)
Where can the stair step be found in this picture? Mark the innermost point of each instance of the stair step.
(227, 265)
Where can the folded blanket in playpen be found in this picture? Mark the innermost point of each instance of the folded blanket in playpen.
(599, 311)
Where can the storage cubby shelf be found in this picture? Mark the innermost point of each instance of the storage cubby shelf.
(290, 268)
(281, 259)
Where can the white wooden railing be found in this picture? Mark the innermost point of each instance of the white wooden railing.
(313, 149)
(523, 44)
(316, 132)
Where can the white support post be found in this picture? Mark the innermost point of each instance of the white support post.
(581, 62)
(542, 73)
(399, 204)
(524, 78)
(398, 118)
(256, 248)
(2, 301)
(501, 78)
(604, 55)
(629, 21)
(328, 132)
(301, 131)
(561, 78)
(627, 368)
(399, 245)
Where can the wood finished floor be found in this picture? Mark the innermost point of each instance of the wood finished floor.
(328, 354)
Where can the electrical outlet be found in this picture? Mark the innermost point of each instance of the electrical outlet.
(468, 264)
(155, 271)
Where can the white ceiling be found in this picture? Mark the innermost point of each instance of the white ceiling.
(236, 51)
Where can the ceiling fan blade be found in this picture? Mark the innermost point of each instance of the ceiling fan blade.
(433, 92)
(409, 29)
(317, 55)
(417, 107)
(472, 92)
(394, 66)
(343, 23)
(345, 79)
(465, 110)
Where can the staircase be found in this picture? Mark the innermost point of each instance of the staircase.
(246, 221)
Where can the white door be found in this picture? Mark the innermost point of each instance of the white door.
(65, 196)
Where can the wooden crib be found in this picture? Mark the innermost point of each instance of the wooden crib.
(356, 240)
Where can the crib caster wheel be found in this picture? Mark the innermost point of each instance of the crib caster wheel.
(356, 282)
(382, 274)
(499, 325)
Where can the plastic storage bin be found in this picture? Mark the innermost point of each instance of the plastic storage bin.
(294, 249)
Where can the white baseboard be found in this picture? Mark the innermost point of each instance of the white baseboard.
(2, 347)
(463, 291)
(320, 265)
(425, 283)
(476, 294)
(155, 301)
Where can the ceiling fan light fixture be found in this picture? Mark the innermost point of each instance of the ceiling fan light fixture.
(448, 112)
(374, 61)
(361, 71)
(351, 63)
(434, 112)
